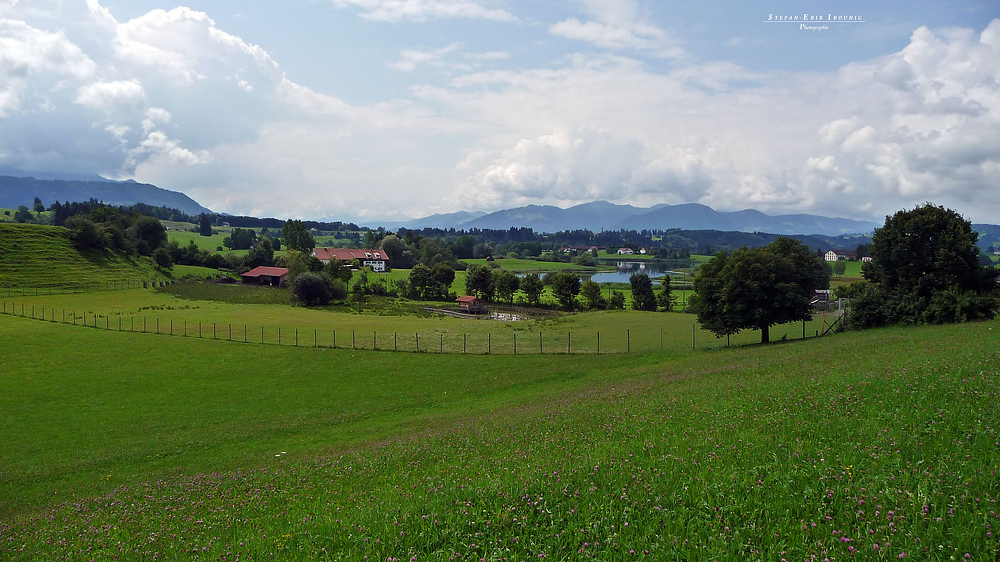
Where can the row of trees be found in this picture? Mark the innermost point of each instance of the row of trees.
(925, 268)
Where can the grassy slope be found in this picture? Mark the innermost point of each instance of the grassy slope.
(884, 438)
(42, 256)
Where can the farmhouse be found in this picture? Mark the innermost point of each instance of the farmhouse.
(273, 276)
(625, 251)
(835, 255)
(375, 260)
(471, 305)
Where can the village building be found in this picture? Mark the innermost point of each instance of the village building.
(471, 305)
(625, 251)
(836, 255)
(263, 275)
(375, 260)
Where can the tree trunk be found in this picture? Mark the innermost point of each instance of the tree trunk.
(765, 335)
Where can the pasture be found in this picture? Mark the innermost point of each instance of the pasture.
(264, 315)
(880, 445)
(36, 256)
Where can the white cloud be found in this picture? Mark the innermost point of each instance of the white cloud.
(409, 60)
(171, 99)
(422, 10)
(112, 97)
(618, 27)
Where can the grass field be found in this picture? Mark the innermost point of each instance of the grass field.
(35, 256)
(875, 445)
(264, 314)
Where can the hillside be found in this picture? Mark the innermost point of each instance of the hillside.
(15, 191)
(34, 256)
(798, 451)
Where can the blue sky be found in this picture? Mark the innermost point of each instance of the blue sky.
(392, 109)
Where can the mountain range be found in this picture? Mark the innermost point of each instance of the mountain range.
(17, 191)
(601, 215)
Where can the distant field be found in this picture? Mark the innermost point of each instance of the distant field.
(35, 256)
(875, 445)
(385, 323)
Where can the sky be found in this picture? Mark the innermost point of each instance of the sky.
(368, 110)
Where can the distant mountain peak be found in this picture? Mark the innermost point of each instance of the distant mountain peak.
(603, 215)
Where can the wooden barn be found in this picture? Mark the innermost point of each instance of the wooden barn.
(263, 275)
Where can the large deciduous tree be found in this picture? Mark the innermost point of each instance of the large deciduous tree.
(532, 286)
(296, 236)
(566, 286)
(506, 283)
(643, 297)
(756, 288)
(925, 268)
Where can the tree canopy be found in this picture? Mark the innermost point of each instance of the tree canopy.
(756, 288)
(925, 269)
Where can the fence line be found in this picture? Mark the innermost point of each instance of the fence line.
(92, 287)
(573, 343)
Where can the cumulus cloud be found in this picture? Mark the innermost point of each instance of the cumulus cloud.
(171, 99)
(112, 97)
(421, 10)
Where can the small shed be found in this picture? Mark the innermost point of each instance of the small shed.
(263, 275)
(471, 305)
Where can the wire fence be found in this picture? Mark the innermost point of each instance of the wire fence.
(514, 341)
(89, 287)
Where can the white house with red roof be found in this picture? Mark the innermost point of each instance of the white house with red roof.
(375, 260)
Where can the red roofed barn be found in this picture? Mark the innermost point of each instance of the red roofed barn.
(273, 276)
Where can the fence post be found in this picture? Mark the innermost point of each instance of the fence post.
(199, 330)
(661, 338)
(335, 339)
(598, 343)
(628, 341)
(354, 341)
(569, 343)
(296, 337)
(515, 343)
(279, 335)
(692, 335)
(465, 342)
(315, 337)
(143, 323)
(489, 344)
(441, 347)
(374, 340)
(157, 325)
(540, 351)
(244, 333)
(395, 346)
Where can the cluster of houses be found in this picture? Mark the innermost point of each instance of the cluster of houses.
(374, 260)
(621, 251)
(847, 255)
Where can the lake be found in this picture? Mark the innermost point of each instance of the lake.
(627, 268)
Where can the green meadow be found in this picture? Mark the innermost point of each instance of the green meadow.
(265, 315)
(131, 446)
(202, 421)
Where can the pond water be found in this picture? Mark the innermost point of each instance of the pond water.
(627, 268)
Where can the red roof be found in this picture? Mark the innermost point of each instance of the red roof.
(262, 271)
(467, 299)
(348, 254)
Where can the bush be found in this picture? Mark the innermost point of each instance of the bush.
(313, 289)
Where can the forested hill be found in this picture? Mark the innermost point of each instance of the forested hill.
(16, 191)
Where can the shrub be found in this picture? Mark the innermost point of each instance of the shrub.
(312, 289)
